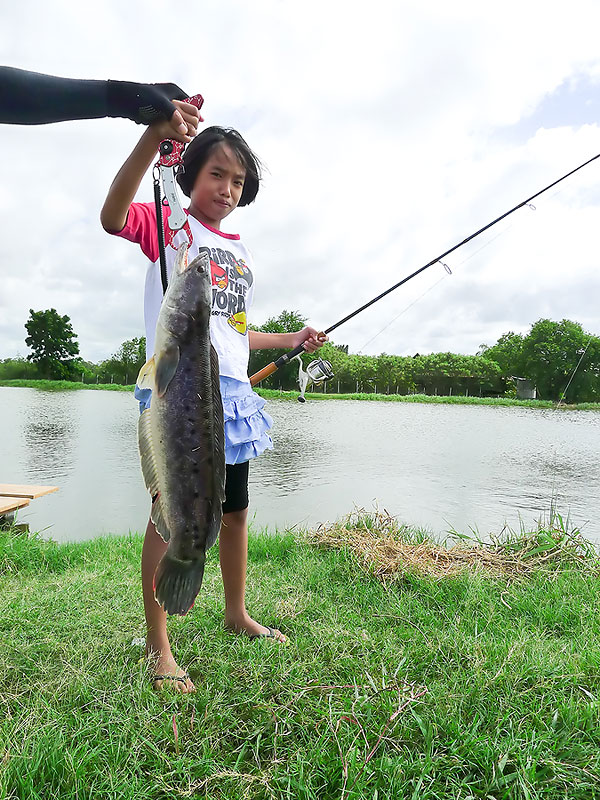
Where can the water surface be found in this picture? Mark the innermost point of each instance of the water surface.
(440, 467)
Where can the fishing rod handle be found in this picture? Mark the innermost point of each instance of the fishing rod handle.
(263, 373)
(275, 365)
(281, 361)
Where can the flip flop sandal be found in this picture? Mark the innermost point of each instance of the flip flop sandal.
(269, 635)
(183, 678)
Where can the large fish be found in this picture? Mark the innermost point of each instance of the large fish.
(181, 435)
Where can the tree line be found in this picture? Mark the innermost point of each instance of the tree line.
(559, 358)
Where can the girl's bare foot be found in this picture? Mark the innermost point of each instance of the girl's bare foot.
(168, 674)
(250, 627)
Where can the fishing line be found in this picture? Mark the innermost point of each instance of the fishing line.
(449, 272)
(563, 395)
(460, 244)
(285, 358)
(410, 305)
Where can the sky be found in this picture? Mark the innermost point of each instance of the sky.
(389, 133)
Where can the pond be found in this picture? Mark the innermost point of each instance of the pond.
(439, 467)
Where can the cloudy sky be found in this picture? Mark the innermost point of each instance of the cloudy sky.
(389, 134)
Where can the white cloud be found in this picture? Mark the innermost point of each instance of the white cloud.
(389, 135)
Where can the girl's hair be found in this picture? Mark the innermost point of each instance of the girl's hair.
(198, 151)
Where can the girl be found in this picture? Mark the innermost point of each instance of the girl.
(221, 172)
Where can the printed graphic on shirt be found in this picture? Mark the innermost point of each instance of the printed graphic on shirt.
(220, 278)
(244, 271)
(231, 279)
(238, 322)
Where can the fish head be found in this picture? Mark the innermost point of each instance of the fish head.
(187, 300)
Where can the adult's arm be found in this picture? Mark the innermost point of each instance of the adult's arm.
(31, 98)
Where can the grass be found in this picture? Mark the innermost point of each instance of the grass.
(64, 386)
(410, 685)
(388, 549)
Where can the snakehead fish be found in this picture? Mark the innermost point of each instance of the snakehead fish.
(181, 436)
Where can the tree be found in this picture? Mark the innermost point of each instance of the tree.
(18, 368)
(124, 365)
(53, 342)
(554, 355)
(507, 353)
(552, 352)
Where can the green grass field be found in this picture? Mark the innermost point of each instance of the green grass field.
(420, 687)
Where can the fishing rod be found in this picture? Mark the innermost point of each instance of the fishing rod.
(286, 357)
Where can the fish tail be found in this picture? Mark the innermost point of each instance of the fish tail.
(177, 582)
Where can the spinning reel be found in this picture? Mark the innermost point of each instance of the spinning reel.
(317, 371)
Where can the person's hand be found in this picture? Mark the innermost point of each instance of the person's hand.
(146, 103)
(184, 122)
(183, 125)
(310, 338)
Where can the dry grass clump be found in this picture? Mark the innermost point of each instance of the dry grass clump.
(388, 549)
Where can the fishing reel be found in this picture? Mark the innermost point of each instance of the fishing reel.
(317, 371)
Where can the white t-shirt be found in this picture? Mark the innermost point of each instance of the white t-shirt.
(232, 282)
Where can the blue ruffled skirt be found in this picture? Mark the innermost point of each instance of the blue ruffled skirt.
(247, 426)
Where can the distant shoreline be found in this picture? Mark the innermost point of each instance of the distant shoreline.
(272, 394)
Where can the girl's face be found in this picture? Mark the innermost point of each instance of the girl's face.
(218, 187)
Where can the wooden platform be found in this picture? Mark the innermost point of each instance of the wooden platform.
(17, 495)
(10, 504)
(25, 490)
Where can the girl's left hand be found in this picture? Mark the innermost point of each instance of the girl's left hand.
(310, 338)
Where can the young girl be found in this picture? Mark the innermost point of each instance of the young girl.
(221, 172)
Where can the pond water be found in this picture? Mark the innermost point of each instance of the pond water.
(439, 467)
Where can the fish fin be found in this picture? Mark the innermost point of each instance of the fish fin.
(215, 524)
(167, 362)
(145, 378)
(150, 473)
(177, 582)
(218, 431)
(158, 518)
(215, 514)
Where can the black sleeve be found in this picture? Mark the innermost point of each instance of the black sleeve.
(30, 98)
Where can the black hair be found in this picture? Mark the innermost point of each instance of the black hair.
(198, 151)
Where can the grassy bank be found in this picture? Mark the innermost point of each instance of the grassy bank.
(413, 685)
(429, 398)
(275, 393)
(65, 386)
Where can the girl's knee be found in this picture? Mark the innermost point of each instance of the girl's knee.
(234, 520)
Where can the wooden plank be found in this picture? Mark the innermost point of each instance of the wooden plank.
(9, 504)
(25, 490)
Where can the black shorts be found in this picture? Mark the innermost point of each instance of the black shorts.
(236, 487)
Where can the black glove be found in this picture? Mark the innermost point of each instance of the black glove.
(142, 102)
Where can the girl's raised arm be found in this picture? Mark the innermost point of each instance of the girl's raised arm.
(127, 181)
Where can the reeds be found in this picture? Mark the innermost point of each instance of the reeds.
(390, 550)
